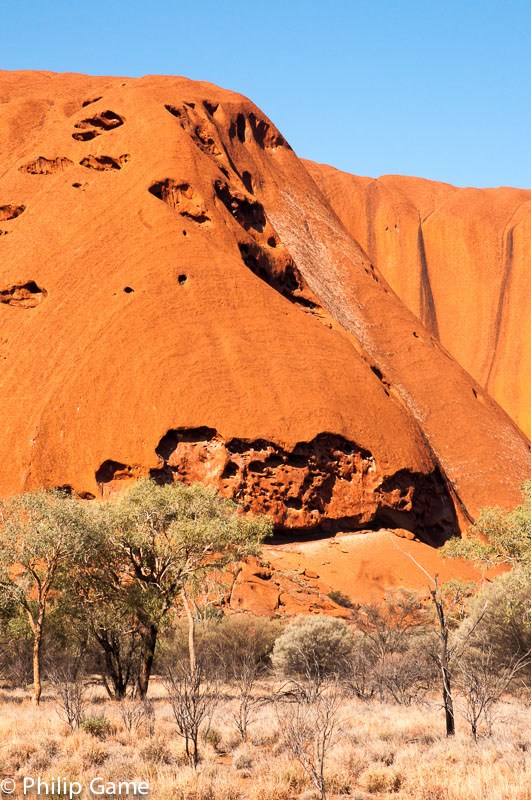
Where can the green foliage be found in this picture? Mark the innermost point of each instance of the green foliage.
(157, 539)
(114, 570)
(313, 644)
(43, 536)
(99, 727)
(499, 621)
(43, 533)
(502, 537)
(340, 598)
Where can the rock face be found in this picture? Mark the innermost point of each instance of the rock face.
(459, 259)
(179, 299)
(329, 484)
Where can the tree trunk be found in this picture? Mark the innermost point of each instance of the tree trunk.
(444, 659)
(448, 703)
(149, 642)
(114, 672)
(36, 627)
(37, 640)
(191, 631)
(112, 666)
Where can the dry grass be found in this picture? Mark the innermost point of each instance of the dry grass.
(383, 750)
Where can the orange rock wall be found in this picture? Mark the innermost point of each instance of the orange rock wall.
(459, 259)
(178, 299)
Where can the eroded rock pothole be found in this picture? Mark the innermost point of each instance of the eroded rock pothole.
(22, 295)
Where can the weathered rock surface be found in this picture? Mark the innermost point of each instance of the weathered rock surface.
(204, 315)
(459, 259)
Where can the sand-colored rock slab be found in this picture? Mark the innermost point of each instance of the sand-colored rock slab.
(348, 564)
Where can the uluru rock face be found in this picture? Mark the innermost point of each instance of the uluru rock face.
(177, 298)
(459, 259)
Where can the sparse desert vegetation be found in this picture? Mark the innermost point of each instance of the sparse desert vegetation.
(117, 664)
(381, 749)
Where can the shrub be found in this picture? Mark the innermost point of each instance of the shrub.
(500, 620)
(224, 645)
(213, 737)
(313, 645)
(340, 598)
(155, 751)
(244, 757)
(100, 727)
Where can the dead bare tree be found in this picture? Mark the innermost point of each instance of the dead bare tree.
(309, 727)
(388, 640)
(136, 714)
(446, 653)
(481, 682)
(406, 677)
(193, 700)
(244, 679)
(69, 694)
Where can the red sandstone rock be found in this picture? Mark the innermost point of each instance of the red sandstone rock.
(310, 573)
(459, 259)
(202, 314)
(259, 597)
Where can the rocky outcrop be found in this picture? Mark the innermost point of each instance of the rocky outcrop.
(208, 317)
(328, 484)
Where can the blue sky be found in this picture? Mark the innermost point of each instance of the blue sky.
(439, 90)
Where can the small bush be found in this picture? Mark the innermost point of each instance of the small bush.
(213, 737)
(155, 751)
(93, 754)
(244, 757)
(18, 754)
(99, 727)
(340, 598)
(312, 645)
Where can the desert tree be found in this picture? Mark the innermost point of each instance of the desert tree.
(43, 535)
(449, 604)
(193, 698)
(481, 681)
(392, 637)
(506, 625)
(156, 542)
(499, 537)
(502, 644)
(309, 726)
(97, 615)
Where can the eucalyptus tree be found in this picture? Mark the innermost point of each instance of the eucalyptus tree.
(158, 541)
(44, 536)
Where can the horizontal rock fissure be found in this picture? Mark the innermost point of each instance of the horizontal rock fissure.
(104, 163)
(45, 166)
(91, 127)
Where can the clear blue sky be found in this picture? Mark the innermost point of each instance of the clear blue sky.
(436, 89)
